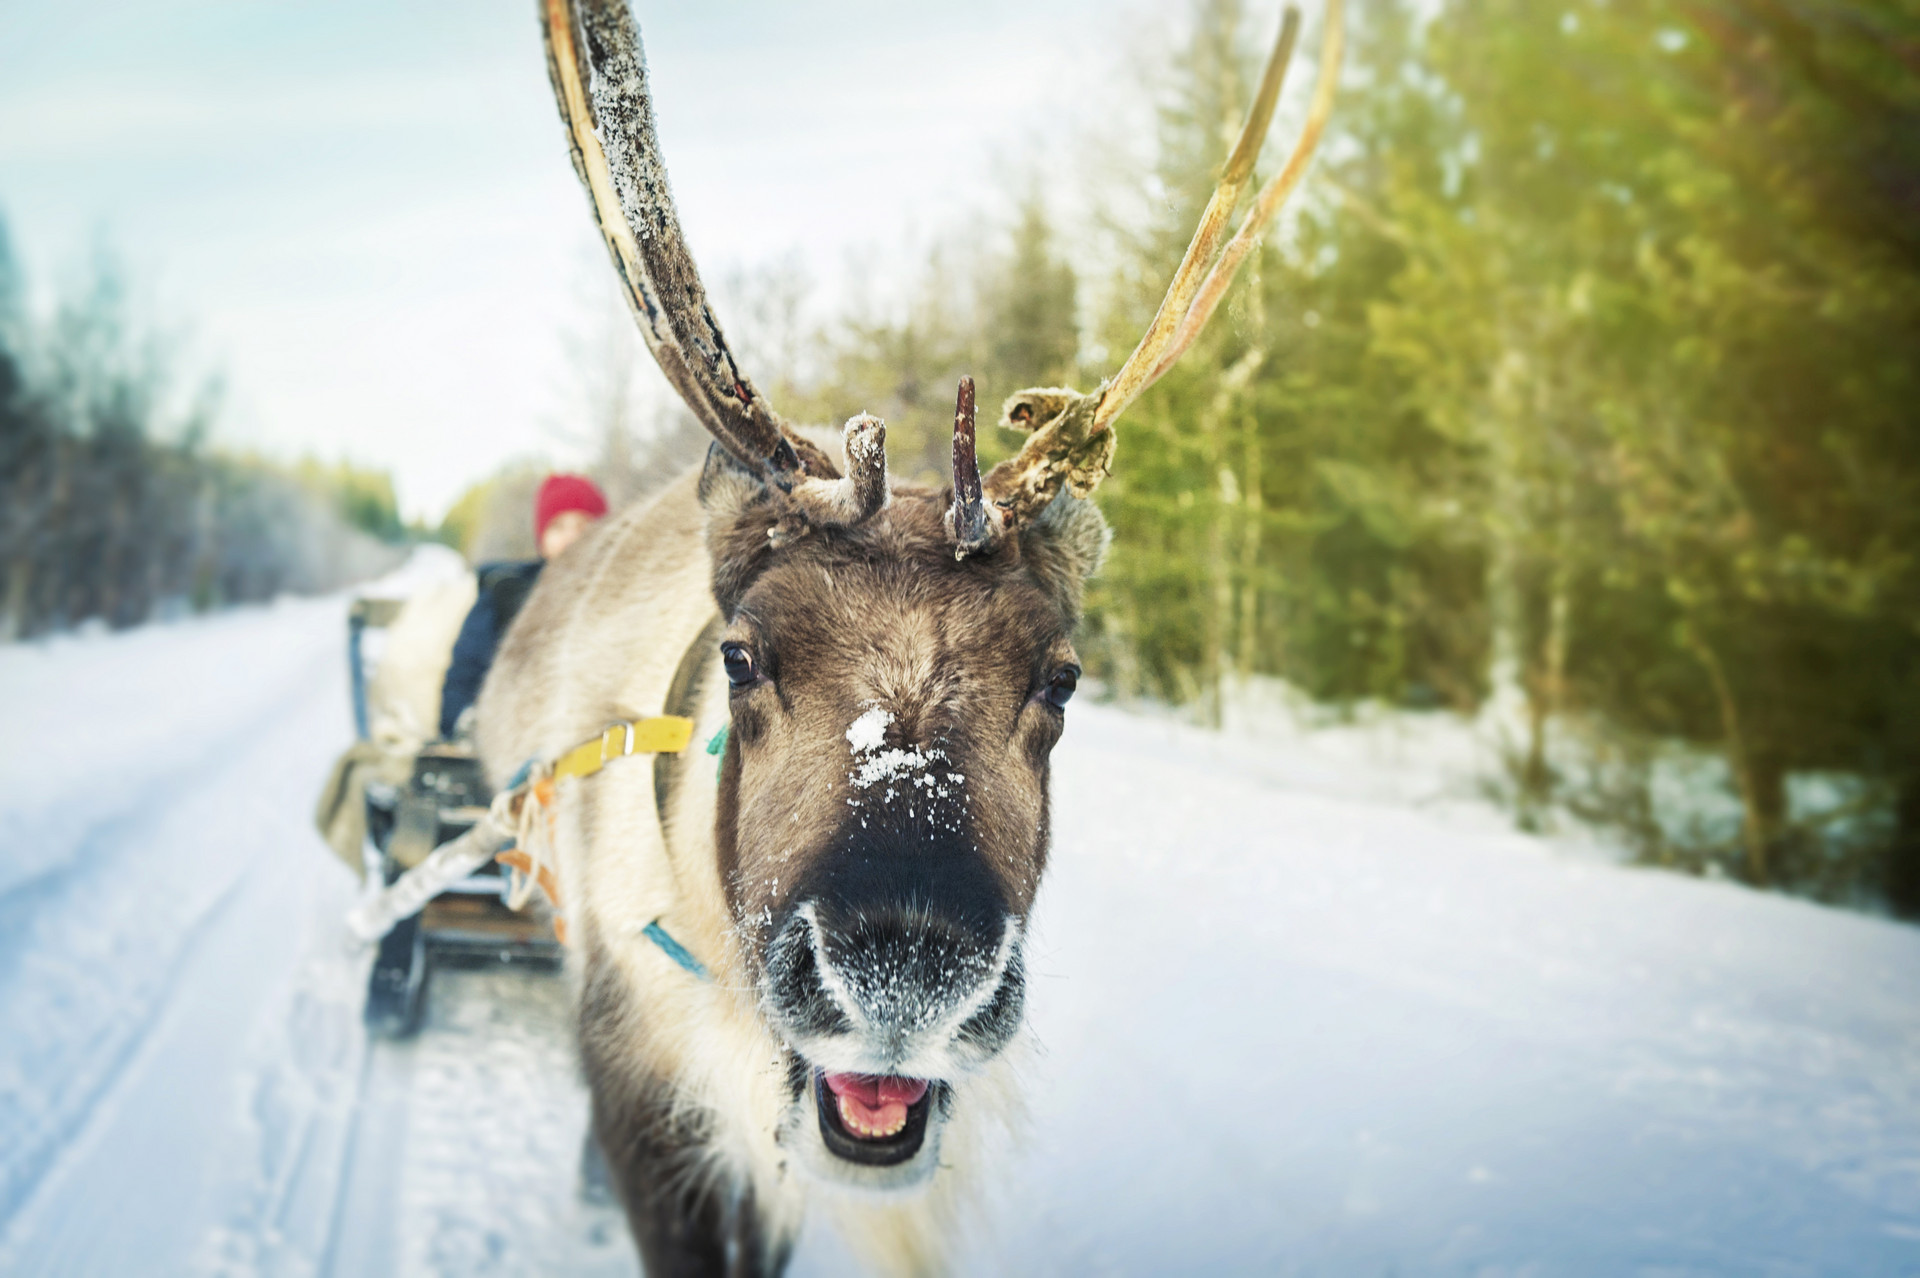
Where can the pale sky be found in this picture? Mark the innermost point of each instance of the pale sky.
(362, 212)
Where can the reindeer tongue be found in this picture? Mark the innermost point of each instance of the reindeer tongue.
(874, 1106)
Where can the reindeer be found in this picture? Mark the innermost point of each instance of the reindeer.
(806, 972)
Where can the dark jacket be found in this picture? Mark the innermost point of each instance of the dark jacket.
(503, 588)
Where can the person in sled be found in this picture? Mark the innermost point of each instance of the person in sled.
(565, 509)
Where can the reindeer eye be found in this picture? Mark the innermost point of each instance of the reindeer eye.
(739, 663)
(1060, 688)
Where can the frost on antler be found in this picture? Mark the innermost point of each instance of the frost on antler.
(599, 74)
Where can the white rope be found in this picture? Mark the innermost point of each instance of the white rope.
(452, 861)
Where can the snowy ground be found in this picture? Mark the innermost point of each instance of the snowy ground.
(1305, 1007)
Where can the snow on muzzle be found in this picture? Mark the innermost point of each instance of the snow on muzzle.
(899, 993)
(888, 1010)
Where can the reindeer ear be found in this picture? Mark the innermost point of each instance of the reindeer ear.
(740, 520)
(727, 487)
(1064, 545)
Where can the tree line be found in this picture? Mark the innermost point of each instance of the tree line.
(113, 507)
(1581, 388)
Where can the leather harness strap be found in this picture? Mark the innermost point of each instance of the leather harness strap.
(665, 736)
(683, 697)
(662, 734)
(522, 814)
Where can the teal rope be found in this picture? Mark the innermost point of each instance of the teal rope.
(659, 935)
(676, 951)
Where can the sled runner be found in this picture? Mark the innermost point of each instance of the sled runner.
(413, 798)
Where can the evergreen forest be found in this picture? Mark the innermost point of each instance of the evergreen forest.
(115, 509)
(1582, 384)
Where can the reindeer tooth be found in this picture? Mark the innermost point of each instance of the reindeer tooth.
(856, 1121)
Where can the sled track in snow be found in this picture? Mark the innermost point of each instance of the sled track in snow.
(198, 908)
(92, 947)
(159, 904)
(33, 1128)
(466, 1152)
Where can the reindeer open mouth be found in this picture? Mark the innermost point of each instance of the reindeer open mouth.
(887, 1014)
(874, 1120)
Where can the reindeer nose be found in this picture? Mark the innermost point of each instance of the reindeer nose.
(900, 947)
(902, 879)
(903, 975)
(897, 985)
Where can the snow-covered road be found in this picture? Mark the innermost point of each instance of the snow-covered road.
(1286, 1025)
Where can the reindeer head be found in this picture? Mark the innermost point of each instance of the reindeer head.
(900, 658)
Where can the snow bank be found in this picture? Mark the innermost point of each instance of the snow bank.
(1294, 1030)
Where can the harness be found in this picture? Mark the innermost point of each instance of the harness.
(522, 814)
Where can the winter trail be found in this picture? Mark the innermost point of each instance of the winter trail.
(1284, 1022)
(112, 943)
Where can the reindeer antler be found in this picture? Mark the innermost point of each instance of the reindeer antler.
(1072, 441)
(967, 520)
(599, 74)
(1268, 203)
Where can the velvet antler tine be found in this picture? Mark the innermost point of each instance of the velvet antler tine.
(859, 495)
(1271, 198)
(1137, 373)
(599, 77)
(1253, 133)
(967, 520)
(599, 74)
(966, 462)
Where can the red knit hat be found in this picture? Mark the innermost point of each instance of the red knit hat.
(561, 493)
